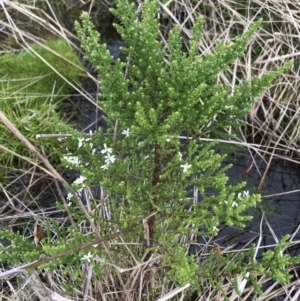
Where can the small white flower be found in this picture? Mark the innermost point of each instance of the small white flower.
(69, 196)
(126, 132)
(104, 167)
(246, 193)
(69, 204)
(180, 156)
(225, 202)
(72, 159)
(80, 140)
(185, 167)
(79, 180)
(243, 194)
(168, 140)
(91, 145)
(215, 229)
(106, 149)
(93, 152)
(87, 257)
(59, 139)
(95, 246)
(234, 204)
(109, 159)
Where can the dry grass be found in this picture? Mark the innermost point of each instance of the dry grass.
(274, 127)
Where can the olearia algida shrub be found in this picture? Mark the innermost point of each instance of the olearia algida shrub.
(145, 171)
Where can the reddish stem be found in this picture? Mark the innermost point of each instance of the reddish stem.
(155, 180)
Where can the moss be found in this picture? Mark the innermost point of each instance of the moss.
(28, 74)
(30, 94)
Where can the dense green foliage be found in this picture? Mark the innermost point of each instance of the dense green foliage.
(33, 83)
(147, 174)
(39, 72)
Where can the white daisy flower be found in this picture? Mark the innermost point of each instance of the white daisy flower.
(215, 229)
(79, 180)
(180, 156)
(246, 193)
(126, 132)
(87, 257)
(69, 196)
(234, 204)
(185, 167)
(109, 159)
(243, 194)
(80, 140)
(106, 149)
(104, 167)
(72, 159)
